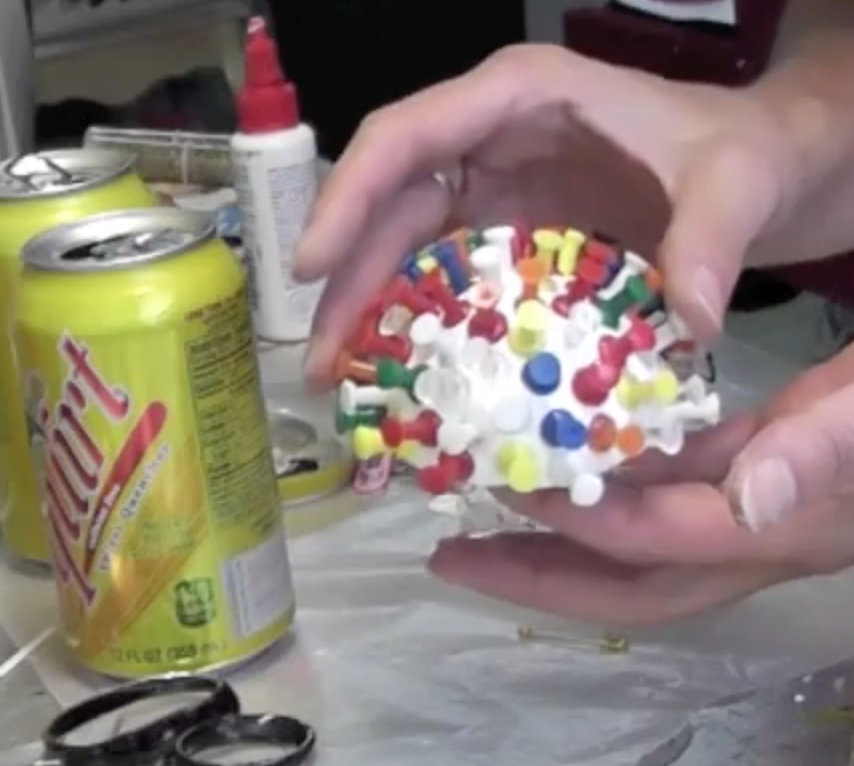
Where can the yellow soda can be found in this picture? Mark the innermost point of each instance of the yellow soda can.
(37, 192)
(140, 372)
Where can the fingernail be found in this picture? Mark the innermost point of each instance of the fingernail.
(765, 495)
(709, 295)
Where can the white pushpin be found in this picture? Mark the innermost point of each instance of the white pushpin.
(678, 326)
(694, 389)
(394, 321)
(351, 396)
(484, 359)
(637, 264)
(444, 390)
(454, 438)
(643, 366)
(512, 414)
(487, 262)
(668, 440)
(583, 320)
(706, 411)
(501, 237)
(429, 336)
(587, 490)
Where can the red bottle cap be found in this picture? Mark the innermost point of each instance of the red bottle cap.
(267, 102)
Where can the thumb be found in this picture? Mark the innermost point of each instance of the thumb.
(720, 206)
(794, 462)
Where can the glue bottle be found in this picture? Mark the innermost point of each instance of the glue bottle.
(274, 158)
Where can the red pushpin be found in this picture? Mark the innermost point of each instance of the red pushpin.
(401, 292)
(369, 342)
(592, 384)
(613, 352)
(641, 334)
(489, 324)
(521, 244)
(439, 294)
(578, 291)
(424, 429)
(449, 471)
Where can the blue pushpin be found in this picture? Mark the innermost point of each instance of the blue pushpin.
(541, 374)
(410, 269)
(561, 430)
(447, 254)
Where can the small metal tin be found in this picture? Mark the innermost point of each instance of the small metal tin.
(60, 171)
(308, 467)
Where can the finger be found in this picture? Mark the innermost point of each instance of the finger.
(550, 574)
(797, 460)
(398, 145)
(416, 215)
(679, 523)
(721, 205)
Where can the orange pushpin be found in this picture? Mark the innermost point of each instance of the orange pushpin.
(602, 434)
(532, 272)
(653, 280)
(631, 441)
(357, 370)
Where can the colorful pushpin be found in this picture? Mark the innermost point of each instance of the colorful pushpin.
(487, 262)
(561, 430)
(368, 443)
(634, 293)
(393, 375)
(519, 466)
(409, 268)
(521, 241)
(541, 374)
(631, 441)
(448, 255)
(349, 368)
(366, 416)
(352, 398)
(591, 385)
(489, 324)
(567, 256)
(602, 434)
(371, 343)
(401, 292)
(662, 390)
(547, 244)
(449, 472)
(528, 334)
(532, 273)
(586, 490)
(453, 310)
(422, 430)
(503, 238)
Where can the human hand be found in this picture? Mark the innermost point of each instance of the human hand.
(663, 545)
(690, 175)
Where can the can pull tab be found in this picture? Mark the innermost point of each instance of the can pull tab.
(38, 173)
(128, 246)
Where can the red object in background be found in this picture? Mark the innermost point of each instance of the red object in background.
(693, 51)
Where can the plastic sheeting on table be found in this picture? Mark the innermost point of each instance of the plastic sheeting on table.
(392, 666)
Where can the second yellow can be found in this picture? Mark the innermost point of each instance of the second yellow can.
(37, 192)
(139, 365)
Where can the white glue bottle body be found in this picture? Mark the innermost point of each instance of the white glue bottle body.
(274, 158)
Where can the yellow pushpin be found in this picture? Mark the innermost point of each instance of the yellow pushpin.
(663, 389)
(527, 336)
(406, 451)
(547, 244)
(567, 257)
(518, 464)
(368, 442)
(427, 263)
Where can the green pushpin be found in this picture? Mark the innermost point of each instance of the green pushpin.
(393, 375)
(474, 240)
(364, 416)
(635, 291)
